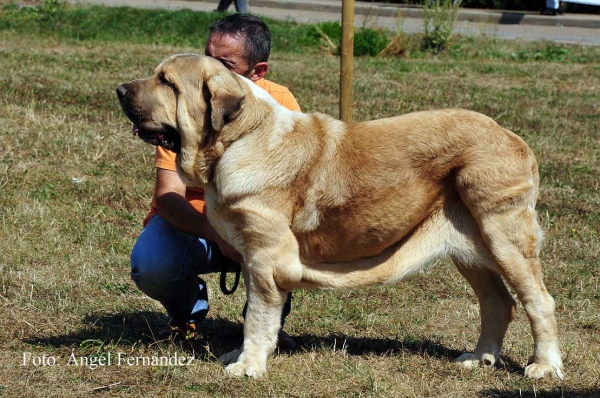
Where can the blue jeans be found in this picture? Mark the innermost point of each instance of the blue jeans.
(165, 264)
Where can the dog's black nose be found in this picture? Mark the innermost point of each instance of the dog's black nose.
(121, 91)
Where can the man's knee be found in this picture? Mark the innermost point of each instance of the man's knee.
(157, 259)
(151, 270)
(165, 260)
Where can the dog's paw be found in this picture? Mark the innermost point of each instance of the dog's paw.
(467, 360)
(230, 357)
(241, 369)
(470, 360)
(541, 370)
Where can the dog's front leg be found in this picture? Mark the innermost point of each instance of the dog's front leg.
(271, 268)
(261, 326)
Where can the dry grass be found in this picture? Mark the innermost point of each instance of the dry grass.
(74, 186)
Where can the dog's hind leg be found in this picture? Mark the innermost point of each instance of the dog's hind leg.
(521, 268)
(472, 258)
(497, 309)
(504, 207)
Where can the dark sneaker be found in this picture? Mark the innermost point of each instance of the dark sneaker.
(177, 332)
(186, 329)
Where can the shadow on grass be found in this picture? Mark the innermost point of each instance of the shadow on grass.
(217, 336)
(364, 346)
(125, 330)
(557, 393)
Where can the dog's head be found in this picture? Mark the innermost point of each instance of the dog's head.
(184, 107)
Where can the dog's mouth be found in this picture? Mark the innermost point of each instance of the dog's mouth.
(167, 137)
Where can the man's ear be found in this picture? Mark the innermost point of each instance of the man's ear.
(259, 71)
(226, 99)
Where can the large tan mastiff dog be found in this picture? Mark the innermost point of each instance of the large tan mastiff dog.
(312, 202)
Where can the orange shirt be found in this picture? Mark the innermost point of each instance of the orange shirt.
(166, 159)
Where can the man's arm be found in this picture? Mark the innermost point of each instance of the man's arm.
(175, 208)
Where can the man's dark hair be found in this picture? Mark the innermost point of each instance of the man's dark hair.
(252, 29)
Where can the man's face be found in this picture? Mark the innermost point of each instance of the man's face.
(230, 51)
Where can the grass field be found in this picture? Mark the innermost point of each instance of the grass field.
(75, 185)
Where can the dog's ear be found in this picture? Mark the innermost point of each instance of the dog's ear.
(226, 99)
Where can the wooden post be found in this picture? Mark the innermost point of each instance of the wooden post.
(347, 60)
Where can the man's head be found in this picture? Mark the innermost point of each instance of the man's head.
(242, 42)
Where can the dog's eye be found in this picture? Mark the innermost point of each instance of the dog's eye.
(164, 81)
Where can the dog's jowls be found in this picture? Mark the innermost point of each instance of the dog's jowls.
(312, 202)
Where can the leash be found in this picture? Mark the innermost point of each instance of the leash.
(223, 280)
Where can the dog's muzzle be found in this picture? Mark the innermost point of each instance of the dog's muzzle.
(164, 136)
